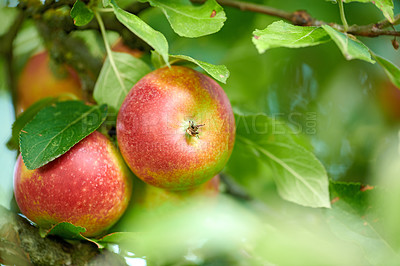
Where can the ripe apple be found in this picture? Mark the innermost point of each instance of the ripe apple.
(88, 186)
(42, 78)
(119, 46)
(176, 128)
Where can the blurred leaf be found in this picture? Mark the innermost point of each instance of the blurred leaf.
(108, 89)
(391, 70)
(218, 72)
(282, 34)
(27, 42)
(350, 194)
(81, 14)
(27, 116)
(386, 6)
(7, 17)
(351, 48)
(298, 174)
(94, 41)
(204, 228)
(191, 21)
(106, 3)
(154, 38)
(120, 237)
(56, 129)
(349, 218)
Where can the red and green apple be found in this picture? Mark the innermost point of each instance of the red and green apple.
(176, 128)
(41, 78)
(88, 186)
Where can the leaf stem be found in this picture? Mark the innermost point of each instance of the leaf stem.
(105, 10)
(343, 16)
(108, 49)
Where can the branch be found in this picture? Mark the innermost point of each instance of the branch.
(21, 244)
(302, 18)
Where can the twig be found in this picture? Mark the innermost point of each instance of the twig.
(302, 18)
(244, 6)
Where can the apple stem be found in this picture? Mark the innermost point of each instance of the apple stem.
(192, 130)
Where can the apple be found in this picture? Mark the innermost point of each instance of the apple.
(120, 47)
(88, 186)
(150, 203)
(176, 128)
(41, 78)
(150, 197)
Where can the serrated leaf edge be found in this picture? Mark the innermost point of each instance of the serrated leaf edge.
(103, 106)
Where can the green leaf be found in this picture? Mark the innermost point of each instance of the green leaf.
(108, 89)
(391, 70)
(68, 231)
(218, 72)
(351, 218)
(298, 175)
(7, 18)
(282, 34)
(56, 129)
(106, 3)
(81, 14)
(350, 194)
(351, 48)
(27, 116)
(386, 6)
(154, 38)
(157, 60)
(65, 230)
(191, 21)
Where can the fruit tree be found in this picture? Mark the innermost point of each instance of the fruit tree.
(199, 132)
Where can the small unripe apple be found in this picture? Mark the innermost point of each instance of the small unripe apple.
(41, 78)
(88, 186)
(176, 128)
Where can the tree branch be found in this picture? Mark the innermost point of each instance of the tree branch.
(302, 18)
(21, 244)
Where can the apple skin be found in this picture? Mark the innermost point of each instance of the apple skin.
(40, 78)
(152, 128)
(152, 203)
(88, 186)
(150, 197)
